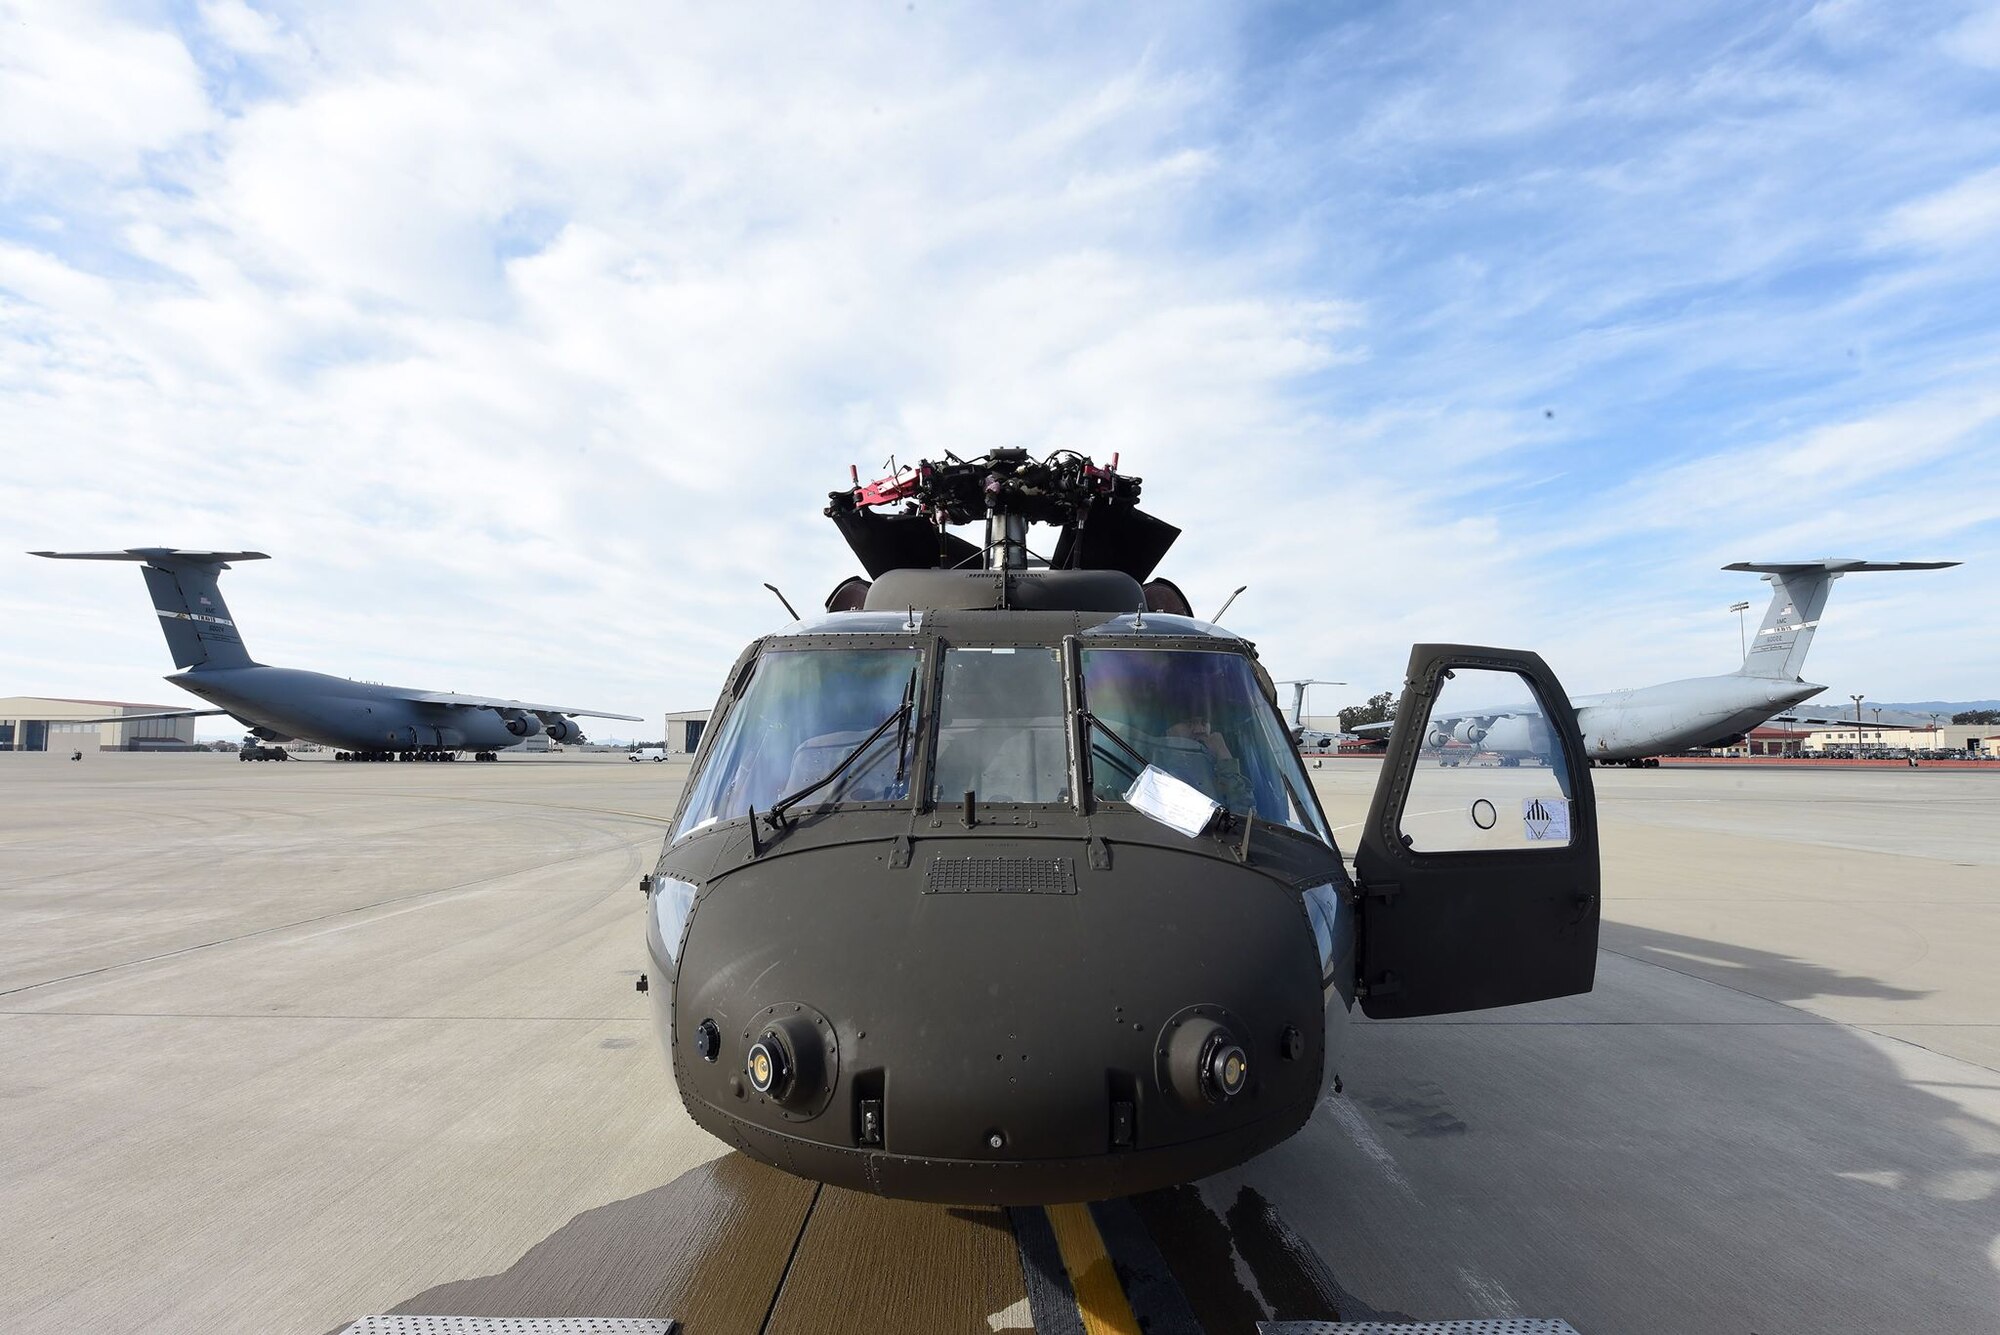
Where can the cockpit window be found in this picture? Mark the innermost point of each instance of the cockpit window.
(1200, 716)
(803, 713)
(1001, 731)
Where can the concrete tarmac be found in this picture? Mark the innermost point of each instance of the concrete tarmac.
(284, 1045)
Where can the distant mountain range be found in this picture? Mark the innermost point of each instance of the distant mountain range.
(1929, 707)
(1895, 713)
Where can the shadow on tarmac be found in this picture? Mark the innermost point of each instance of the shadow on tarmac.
(1649, 1159)
(1761, 973)
(729, 1247)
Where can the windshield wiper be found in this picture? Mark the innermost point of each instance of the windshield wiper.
(1091, 720)
(775, 816)
(1298, 803)
(903, 725)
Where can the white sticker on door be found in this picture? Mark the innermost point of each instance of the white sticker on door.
(1546, 819)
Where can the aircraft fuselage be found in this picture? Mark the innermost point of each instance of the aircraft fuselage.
(1675, 715)
(338, 712)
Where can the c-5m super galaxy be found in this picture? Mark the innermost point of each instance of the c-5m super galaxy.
(365, 721)
(1002, 881)
(1635, 726)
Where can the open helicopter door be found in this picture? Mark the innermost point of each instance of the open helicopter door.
(1477, 870)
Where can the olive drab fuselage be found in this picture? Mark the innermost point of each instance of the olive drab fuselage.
(1026, 1001)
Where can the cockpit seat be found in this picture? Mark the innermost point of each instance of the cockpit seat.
(1002, 760)
(1187, 760)
(870, 779)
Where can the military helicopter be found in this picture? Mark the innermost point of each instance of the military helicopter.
(1001, 881)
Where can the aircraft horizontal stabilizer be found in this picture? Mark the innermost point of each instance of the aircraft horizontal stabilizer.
(526, 707)
(162, 554)
(1835, 565)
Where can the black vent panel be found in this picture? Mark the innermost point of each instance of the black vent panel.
(1000, 876)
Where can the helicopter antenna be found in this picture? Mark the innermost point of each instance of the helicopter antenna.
(1216, 620)
(786, 601)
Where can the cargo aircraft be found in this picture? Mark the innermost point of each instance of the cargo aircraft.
(362, 720)
(1632, 727)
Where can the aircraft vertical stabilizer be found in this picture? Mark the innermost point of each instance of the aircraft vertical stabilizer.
(200, 632)
(1798, 597)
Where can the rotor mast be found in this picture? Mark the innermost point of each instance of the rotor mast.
(904, 520)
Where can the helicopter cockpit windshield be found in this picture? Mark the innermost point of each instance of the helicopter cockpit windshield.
(1001, 733)
(1202, 718)
(819, 727)
(800, 718)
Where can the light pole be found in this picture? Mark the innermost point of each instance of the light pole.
(1857, 699)
(1878, 727)
(1742, 636)
(1933, 737)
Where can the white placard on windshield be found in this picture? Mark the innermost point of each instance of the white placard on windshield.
(1172, 802)
(1545, 819)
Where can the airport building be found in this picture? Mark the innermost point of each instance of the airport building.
(1973, 738)
(1799, 739)
(684, 731)
(44, 723)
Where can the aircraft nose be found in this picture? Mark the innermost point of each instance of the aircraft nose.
(1010, 1025)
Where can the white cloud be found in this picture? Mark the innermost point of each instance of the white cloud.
(247, 31)
(1960, 215)
(81, 86)
(1976, 41)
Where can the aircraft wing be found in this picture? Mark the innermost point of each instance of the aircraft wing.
(525, 706)
(1373, 730)
(134, 718)
(1890, 719)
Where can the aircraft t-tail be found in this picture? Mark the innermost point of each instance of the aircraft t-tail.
(362, 720)
(1002, 881)
(1634, 726)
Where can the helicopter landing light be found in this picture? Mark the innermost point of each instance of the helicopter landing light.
(766, 1065)
(1227, 1069)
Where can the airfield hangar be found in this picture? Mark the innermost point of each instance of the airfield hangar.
(45, 723)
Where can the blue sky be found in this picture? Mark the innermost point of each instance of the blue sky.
(529, 341)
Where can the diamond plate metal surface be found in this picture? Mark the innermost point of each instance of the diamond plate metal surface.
(509, 1325)
(1000, 876)
(1507, 1325)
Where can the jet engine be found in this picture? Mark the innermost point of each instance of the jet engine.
(1470, 731)
(521, 724)
(1437, 739)
(563, 730)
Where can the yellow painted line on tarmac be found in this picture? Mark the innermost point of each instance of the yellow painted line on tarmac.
(1100, 1300)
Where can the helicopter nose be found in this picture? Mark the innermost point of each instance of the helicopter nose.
(1015, 1026)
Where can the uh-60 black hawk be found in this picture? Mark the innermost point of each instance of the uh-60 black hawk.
(1001, 881)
